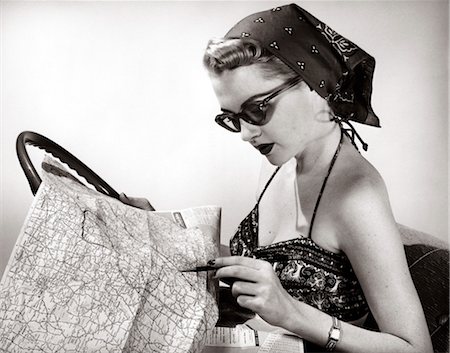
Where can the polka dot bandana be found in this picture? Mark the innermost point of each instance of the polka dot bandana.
(334, 67)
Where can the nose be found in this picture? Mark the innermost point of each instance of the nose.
(249, 131)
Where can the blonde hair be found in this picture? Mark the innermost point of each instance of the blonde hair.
(227, 54)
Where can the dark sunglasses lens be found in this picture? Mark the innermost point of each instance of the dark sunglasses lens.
(254, 114)
(229, 122)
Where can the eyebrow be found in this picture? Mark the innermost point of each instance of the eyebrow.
(226, 110)
(248, 100)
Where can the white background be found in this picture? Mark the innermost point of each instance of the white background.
(121, 85)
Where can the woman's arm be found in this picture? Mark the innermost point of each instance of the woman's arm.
(369, 237)
(371, 241)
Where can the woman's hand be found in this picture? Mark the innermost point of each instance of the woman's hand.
(138, 202)
(257, 288)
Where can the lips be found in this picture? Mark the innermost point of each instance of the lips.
(265, 148)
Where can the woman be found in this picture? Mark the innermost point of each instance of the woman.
(290, 86)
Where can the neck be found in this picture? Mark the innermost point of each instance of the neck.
(318, 153)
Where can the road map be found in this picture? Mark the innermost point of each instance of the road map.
(91, 274)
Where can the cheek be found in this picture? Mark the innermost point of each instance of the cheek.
(289, 137)
(292, 118)
(294, 122)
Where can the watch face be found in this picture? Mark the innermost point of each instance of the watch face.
(335, 334)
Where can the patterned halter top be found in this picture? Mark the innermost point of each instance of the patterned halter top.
(308, 272)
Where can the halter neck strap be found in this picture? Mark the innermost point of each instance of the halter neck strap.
(338, 149)
(267, 184)
(319, 197)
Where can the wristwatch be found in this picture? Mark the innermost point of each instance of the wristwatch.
(334, 335)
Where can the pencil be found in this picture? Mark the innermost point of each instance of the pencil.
(200, 269)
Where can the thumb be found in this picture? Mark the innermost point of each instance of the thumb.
(138, 202)
(124, 198)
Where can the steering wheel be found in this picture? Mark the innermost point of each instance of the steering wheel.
(42, 142)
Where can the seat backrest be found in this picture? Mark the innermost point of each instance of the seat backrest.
(428, 260)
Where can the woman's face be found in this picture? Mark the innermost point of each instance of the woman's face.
(291, 114)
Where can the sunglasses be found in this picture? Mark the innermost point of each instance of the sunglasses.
(253, 111)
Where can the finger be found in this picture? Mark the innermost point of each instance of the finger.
(246, 301)
(239, 272)
(239, 260)
(127, 201)
(146, 205)
(250, 302)
(138, 202)
(243, 288)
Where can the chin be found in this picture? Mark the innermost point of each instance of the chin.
(276, 160)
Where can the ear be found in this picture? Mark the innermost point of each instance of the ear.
(321, 108)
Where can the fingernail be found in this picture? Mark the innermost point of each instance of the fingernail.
(125, 195)
(211, 262)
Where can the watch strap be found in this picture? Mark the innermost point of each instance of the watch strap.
(334, 335)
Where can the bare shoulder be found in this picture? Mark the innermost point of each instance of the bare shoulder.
(364, 213)
(358, 182)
